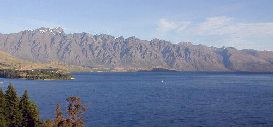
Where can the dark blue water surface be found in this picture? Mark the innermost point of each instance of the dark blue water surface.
(155, 99)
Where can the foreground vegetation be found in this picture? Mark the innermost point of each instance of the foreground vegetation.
(22, 112)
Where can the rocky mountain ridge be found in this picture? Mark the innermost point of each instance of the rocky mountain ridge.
(118, 53)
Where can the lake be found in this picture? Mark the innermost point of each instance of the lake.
(160, 99)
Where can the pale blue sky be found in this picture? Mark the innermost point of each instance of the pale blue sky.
(237, 23)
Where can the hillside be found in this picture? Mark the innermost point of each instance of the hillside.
(11, 67)
(120, 54)
(10, 62)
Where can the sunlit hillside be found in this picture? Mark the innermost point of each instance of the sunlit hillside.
(10, 62)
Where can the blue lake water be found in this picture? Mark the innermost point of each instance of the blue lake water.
(160, 99)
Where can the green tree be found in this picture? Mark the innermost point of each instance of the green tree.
(3, 119)
(14, 116)
(30, 113)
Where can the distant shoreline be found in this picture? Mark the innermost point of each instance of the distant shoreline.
(35, 74)
(175, 71)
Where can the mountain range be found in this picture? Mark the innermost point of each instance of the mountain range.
(45, 45)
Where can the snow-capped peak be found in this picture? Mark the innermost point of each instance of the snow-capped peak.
(54, 31)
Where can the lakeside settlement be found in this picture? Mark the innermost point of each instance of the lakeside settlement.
(36, 74)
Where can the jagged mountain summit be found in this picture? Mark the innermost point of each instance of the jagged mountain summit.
(105, 51)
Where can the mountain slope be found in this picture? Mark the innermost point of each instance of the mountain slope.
(10, 62)
(7, 61)
(105, 51)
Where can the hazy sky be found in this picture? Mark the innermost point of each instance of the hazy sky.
(237, 23)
